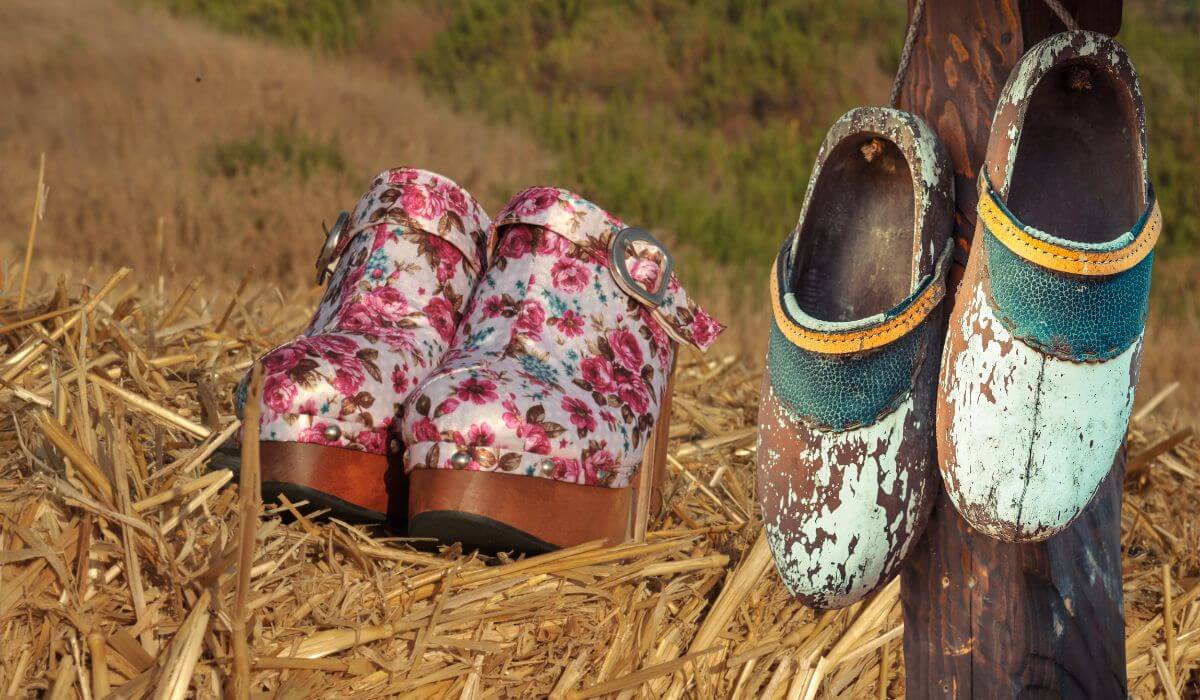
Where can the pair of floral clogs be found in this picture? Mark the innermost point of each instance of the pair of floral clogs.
(1041, 356)
(494, 383)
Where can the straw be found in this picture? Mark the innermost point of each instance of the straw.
(39, 202)
(1168, 623)
(249, 489)
(130, 562)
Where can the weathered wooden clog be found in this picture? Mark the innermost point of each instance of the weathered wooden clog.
(1044, 342)
(846, 446)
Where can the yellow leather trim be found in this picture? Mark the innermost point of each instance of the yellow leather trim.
(1055, 257)
(844, 342)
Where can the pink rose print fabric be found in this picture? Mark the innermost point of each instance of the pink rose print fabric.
(410, 257)
(553, 364)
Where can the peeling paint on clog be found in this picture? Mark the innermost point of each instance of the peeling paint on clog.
(1027, 435)
(1090, 48)
(1027, 438)
(841, 509)
(845, 493)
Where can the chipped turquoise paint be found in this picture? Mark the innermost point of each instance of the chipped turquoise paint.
(1071, 317)
(840, 392)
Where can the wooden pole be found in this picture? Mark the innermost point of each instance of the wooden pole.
(984, 618)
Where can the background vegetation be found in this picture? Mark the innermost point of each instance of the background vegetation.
(700, 118)
(324, 24)
(703, 117)
(243, 123)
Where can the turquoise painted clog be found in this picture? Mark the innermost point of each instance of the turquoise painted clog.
(1044, 343)
(846, 449)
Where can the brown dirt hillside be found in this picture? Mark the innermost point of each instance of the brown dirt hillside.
(241, 147)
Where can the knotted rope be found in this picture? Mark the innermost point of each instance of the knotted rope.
(910, 39)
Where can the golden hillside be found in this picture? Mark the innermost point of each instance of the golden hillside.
(240, 147)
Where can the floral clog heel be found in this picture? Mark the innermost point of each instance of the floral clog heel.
(1044, 344)
(400, 271)
(533, 433)
(846, 445)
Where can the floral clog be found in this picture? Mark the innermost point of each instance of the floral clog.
(400, 270)
(1044, 344)
(531, 434)
(846, 472)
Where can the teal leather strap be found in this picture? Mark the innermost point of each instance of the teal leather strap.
(1078, 317)
(838, 390)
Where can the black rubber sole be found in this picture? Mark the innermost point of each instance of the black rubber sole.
(229, 456)
(474, 532)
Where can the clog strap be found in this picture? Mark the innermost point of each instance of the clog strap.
(840, 376)
(837, 338)
(593, 231)
(1082, 302)
(1062, 255)
(420, 200)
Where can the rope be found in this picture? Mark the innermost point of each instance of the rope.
(1065, 17)
(910, 40)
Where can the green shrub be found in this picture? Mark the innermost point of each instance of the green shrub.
(704, 117)
(700, 118)
(327, 24)
(283, 149)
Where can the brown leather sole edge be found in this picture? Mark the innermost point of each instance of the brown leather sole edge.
(526, 513)
(369, 482)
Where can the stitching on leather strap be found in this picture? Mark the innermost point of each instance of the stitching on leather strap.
(845, 342)
(1013, 235)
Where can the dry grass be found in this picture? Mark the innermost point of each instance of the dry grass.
(132, 106)
(1172, 337)
(124, 562)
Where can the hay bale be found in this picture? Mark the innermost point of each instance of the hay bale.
(127, 566)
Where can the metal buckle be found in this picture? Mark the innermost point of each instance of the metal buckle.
(328, 257)
(624, 280)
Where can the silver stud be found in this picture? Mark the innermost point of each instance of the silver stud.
(460, 459)
(547, 466)
(394, 446)
(332, 432)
